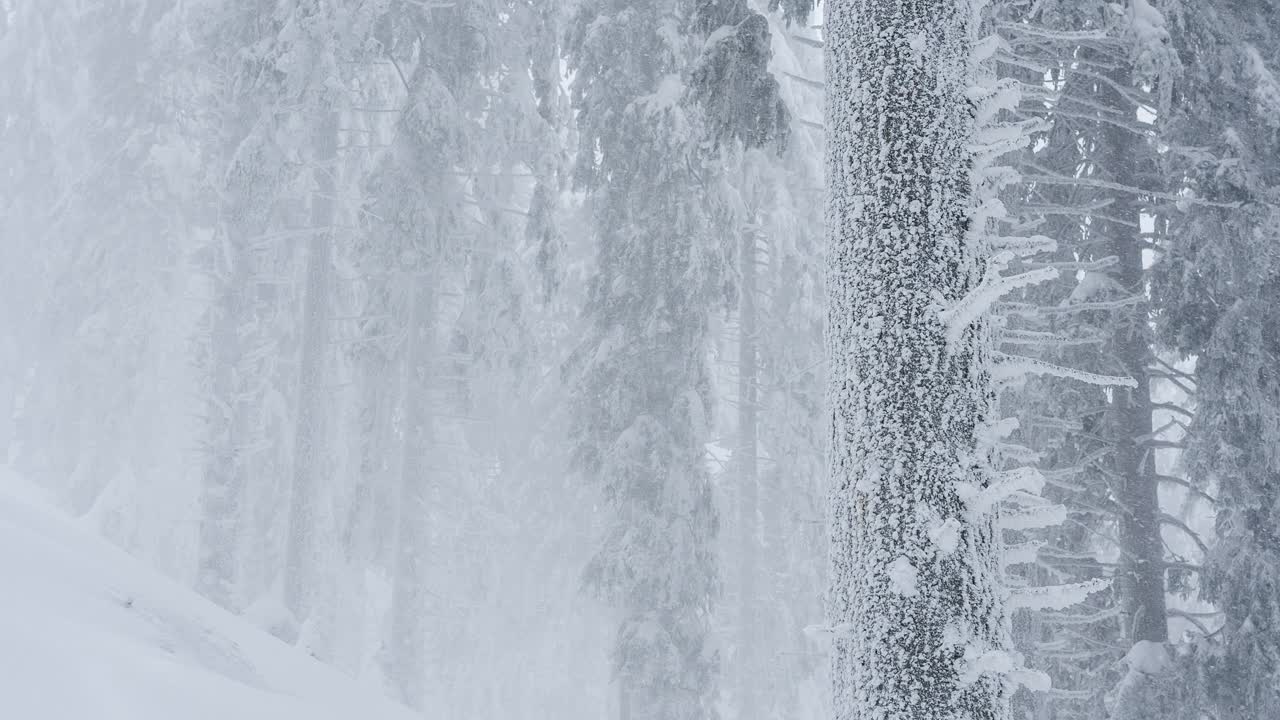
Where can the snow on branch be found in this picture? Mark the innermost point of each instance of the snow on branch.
(980, 662)
(990, 433)
(1033, 518)
(1036, 339)
(1012, 367)
(1003, 485)
(1266, 85)
(1023, 246)
(819, 631)
(990, 100)
(1056, 597)
(980, 299)
(1013, 452)
(1034, 30)
(1022, 553)
(987, 47)
(996, 139)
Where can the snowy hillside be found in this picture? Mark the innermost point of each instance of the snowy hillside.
(88, 632)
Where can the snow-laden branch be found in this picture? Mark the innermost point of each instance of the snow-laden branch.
(1039, 31)
(997, 139)
(1023, 246)
(1033, 518)
(990, 100)
(1056, 597)
(1013, 452)
(1012, 367)
(1081, 265)
(1170, 521)
(1003, 485)
(990, 433)
(1118, 187)
(1022, 553)
(1033, 338)
(979, 300)
(979, 663)
(828, 632)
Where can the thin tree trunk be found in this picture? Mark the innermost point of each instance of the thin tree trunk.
(303, 561)
(370, 520)
(747, 464)
(910, 607)
(225, 470)
(409, 596)
(1140, 581)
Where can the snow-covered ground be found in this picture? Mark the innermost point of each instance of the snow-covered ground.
(89, 633)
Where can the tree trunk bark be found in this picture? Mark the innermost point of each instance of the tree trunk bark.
(1140, 581)
(914, 600)
(302, 552)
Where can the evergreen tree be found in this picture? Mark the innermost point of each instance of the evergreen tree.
(234, 347)
(1216, 293)
(1094, 78)
(418, 199)
(658, 87)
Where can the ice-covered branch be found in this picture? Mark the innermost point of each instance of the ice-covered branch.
(1017, 453)
(1032, 518)
(1043, 339)
(1003, 485)
(1010, 367)
(979, 663)
(980, 299)
(1023, 246)
(1040, 31)
(1056, 597)
(1129, 189)
(1022, 553)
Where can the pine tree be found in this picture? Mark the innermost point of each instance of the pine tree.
(780, 193)
(1095, 78)
(658, 86)
(419, 240)
(315, 42)
(83, 240)
(644, 394)
(742, 106)
(234, 349)
(1216, 293)
(443, 275)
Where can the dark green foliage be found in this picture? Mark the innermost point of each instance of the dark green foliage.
(731, 80)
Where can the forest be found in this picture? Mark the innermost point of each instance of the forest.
(642, 359)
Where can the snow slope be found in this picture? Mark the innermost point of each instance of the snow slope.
(87, 632)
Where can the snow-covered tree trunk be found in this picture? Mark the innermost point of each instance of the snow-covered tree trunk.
(370, 520)
(746, 457)
(408, 628)
(914, 608)
(236, 350)
(1130, 469)
(1140, 580)
(232, 344)
(225, 473)
(303, 572)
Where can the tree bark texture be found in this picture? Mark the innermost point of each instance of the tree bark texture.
(914, 603)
